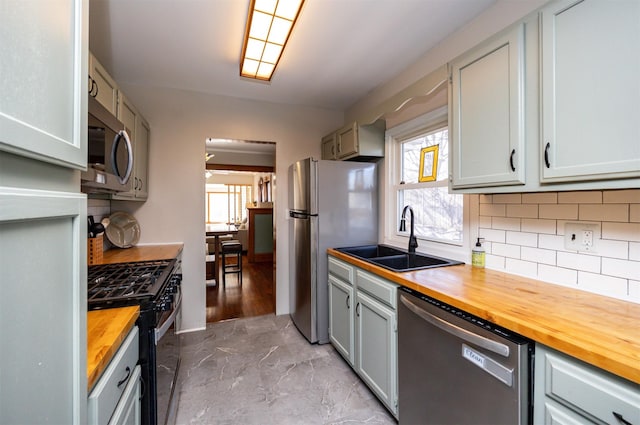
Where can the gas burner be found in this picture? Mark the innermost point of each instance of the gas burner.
(126, 283)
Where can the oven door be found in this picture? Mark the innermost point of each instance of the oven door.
(168, 363)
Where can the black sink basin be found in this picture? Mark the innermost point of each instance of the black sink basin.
(371, 251)
(395, 259)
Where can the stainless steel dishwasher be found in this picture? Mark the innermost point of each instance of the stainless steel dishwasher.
(455, 368)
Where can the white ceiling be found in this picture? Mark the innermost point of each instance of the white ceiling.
(339, 51)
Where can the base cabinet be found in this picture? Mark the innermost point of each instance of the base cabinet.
(363, 327)
(377, 348)
(115, 399)
(569, 391)
(341, 319)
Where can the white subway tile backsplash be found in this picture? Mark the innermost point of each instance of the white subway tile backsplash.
(505, 250)
(544, 256)
(492, 235)
(538, 226)
(540, 198)
(522, 210)
(604, 285)
(559, 212)
(634, 291)
(503, 223)
(524, 235)
(604, 212)
(594, 197)
(627, 196)
(485, 221)
(612, 249)
(634, 213)
(493, 210)
(634, 251)
(507, 198)
(582, 262)
(621, 231)
(522, 238)
(621, 268)
(551, 242)
(494, 262)
(558, 275)
(486, 199)
(520, 267)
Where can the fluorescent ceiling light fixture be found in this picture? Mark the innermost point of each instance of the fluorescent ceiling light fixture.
(269, 25)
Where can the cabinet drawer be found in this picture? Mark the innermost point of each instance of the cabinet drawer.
(590, 390)
(128, 409)
(378, 288)
(105, 396)
(341, 269)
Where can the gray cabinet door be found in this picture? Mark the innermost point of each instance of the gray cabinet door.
(590, 90)
(487, 113)
(43, 229)
(43, 306)
(341, 326)
(43, 80)
(377, 348)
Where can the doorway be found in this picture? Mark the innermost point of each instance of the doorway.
(240, 181)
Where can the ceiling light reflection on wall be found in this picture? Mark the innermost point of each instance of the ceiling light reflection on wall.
(269, 25)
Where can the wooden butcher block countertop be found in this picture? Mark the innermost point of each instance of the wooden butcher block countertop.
(106, 330)
(599, 330)
(141, 253)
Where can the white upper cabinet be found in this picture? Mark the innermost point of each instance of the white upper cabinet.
(102, 86)
(44, 116)
(590, 64)
(487, 113)
(329, 146)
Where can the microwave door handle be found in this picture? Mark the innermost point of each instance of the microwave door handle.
(120, 136)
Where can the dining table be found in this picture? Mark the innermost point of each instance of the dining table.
(217, 230)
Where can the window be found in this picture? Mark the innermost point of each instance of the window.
(438, 215)
(226, 202)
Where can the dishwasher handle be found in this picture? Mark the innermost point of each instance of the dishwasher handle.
(457, 331)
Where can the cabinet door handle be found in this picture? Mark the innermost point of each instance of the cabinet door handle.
(126, 378)
(348, 299)
(358, 310)
(621, 419)
(513, 167)
(546, 155)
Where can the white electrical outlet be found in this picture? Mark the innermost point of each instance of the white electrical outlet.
(581, 236)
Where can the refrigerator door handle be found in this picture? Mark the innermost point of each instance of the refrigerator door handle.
(296, 214)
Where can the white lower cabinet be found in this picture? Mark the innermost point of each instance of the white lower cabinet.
(569, 391)
(363, 327)
(115, 399)
(341, 320)
(377, 348)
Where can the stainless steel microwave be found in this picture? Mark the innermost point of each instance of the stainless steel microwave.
(110, 153)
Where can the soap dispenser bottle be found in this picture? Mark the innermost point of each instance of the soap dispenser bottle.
(478, 255)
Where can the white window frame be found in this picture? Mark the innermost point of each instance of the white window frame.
(389, 199)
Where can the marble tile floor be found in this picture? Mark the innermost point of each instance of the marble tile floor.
(261, 370)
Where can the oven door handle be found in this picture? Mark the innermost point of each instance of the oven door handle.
(172, 318)
(457, 331)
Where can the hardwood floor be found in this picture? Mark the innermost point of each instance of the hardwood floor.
(254, 298)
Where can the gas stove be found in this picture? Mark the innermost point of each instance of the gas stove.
(155, 287)
(124, 284)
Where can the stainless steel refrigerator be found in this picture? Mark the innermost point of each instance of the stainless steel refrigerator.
(331, 204)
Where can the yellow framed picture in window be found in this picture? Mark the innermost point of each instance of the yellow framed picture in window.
(428, 164)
